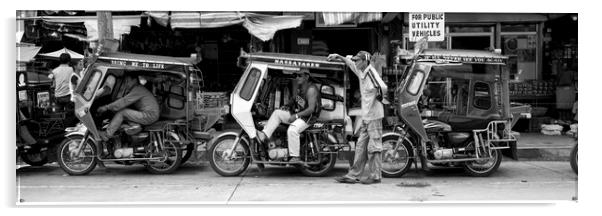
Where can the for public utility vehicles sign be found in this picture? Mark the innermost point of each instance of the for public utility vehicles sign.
(427, 24)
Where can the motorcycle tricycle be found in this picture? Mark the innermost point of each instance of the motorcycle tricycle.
(265, 86)
(40, 123)
(466, 121)
(162, 146)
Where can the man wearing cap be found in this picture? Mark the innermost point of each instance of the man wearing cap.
(305, 109)
(369, 144)
(61, 75)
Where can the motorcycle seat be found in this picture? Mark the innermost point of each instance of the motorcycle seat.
(159, 125)
(331, 122)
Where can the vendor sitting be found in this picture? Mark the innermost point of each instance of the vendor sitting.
(146, 106)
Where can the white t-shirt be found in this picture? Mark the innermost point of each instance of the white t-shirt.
(61, 76)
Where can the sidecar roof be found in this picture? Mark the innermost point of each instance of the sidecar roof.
(294, 60)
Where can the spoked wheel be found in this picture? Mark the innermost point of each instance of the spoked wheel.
(574, 159)
(327, 161)
(75, 162)
(35, 156)
(397, 157)
(226, 162)
(484, 167)
(170, 159)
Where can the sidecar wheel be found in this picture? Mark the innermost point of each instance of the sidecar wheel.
(80, 164)
(321, 169)
(484, 168)
(35, 157)
(172, 158)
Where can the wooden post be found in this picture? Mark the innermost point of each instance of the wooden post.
(498, 35)
(105, 26)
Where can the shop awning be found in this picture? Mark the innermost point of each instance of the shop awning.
(261, 26)
(337, 18)
(57, 54)
(27, 53)
(121, 24)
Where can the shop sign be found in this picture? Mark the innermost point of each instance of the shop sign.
(467, 59)
(427, 24)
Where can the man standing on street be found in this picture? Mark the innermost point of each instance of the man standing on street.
(369, 144)
(61, 76)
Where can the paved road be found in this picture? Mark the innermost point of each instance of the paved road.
(194, 183)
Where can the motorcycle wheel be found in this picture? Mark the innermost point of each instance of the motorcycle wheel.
(171, 159)
(187, 152)
(232, 166)
(35, 157)
(484, 168)
(76, 164)
(397, 158)
(327, 163)
(574, 159)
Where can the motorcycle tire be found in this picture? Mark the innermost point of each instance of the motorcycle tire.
(407, 145)
(574, 159)
(322, 169)
(64, 148)
(175, 162)
(35, 157)
(215, 156)
(497, 160)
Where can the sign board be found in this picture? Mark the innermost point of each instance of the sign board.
(466, 59)
(22, 95)
(427, 24)
(142, 64)
(43, 100)
(302, 41)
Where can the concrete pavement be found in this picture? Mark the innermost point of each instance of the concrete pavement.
(195, 183)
